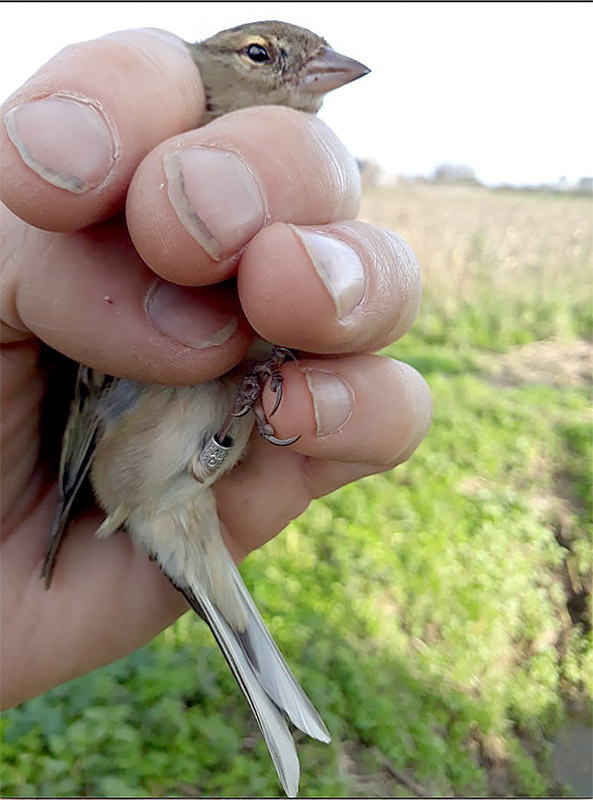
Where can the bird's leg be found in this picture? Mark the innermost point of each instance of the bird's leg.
(251, 386)
(250, 390)
(248, 398)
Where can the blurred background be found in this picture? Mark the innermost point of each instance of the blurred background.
(438, 616)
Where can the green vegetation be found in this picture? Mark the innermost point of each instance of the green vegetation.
(436, 615)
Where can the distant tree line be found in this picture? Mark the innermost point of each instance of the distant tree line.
(448, 173)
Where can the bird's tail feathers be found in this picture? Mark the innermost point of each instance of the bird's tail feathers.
(203, 570)
(272, 670)
(269, 718)
(214, 581)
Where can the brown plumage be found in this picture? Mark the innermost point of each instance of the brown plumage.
(270, 63)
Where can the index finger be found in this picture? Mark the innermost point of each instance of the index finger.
(74, 133)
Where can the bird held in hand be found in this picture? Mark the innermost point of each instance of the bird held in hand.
(153, 452)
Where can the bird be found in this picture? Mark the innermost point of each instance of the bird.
(153, 452)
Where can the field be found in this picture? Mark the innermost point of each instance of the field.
(438, 615)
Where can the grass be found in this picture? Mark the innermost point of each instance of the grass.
(499, 269)
(437, 615)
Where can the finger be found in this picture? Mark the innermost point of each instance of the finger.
(340, 288)
(356, 415)
(363, 408)
(89, 296)
(21, 394)
(198, 199)
(122, 601)
(73, 135)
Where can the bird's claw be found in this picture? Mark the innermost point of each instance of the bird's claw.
(267, 432)
(282, 353)
(250, 390)
(281, 442)
(245, 410)
(276, 386)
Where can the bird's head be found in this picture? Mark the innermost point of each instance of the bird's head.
(270, 63)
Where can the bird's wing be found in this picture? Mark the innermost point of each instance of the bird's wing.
(78, 450)
(269, 718)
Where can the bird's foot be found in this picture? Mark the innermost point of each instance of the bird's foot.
(250, 391)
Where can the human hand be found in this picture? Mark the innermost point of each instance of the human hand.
(80, 285)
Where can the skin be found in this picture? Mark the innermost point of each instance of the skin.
(107, 599)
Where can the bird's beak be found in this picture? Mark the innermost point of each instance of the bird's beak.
(330, 70)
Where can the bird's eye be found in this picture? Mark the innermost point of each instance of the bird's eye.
(257, 53)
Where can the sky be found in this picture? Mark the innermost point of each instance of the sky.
(502, 87)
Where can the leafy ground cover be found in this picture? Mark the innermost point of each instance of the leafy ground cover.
(439, 615)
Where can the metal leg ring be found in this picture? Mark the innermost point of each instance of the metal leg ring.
(215, 453)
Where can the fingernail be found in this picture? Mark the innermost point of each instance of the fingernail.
(184, 314)
(338, 266)
(69, 142)
(333, 400)
(216, 197)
